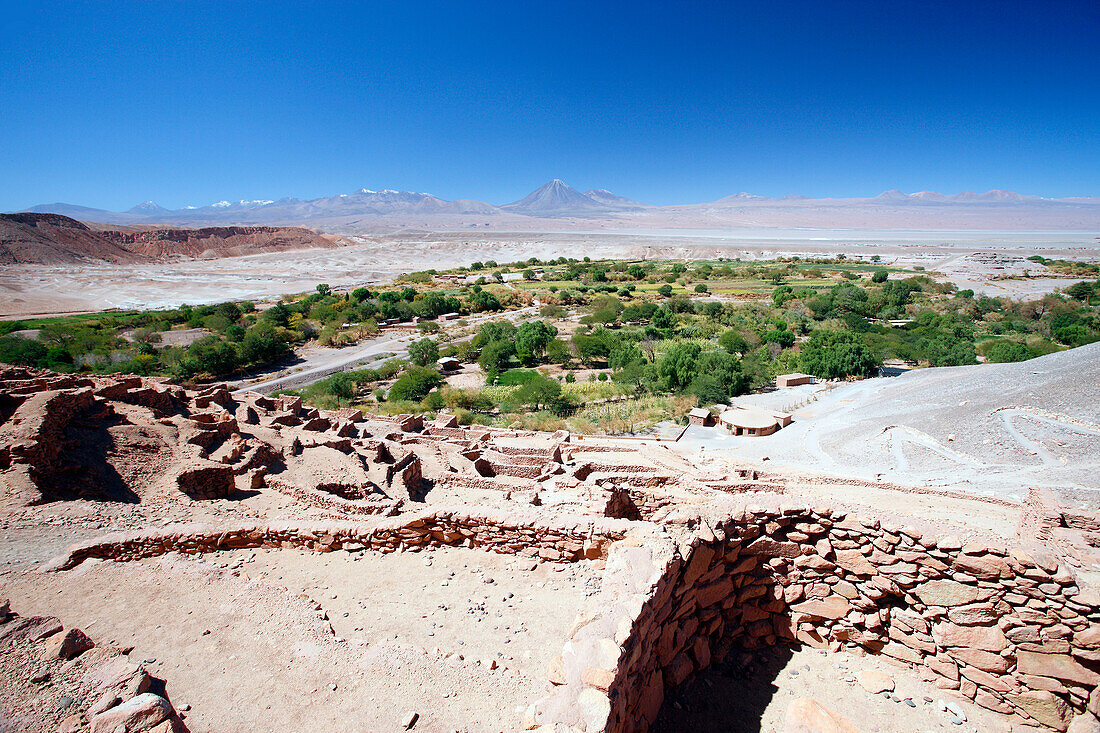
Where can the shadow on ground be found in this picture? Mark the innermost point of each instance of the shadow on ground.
(730, 697)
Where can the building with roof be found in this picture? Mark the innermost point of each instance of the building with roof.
(745, 420)
(793, 380)
(700, 416)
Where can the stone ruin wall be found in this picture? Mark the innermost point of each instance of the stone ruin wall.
(505, 533)
(1007, 628)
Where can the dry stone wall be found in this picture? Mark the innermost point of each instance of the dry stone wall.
(565, 540)
(1008, 628)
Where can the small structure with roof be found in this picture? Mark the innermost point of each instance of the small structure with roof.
(745, 420)
(793, 380)
(449, 364)
(700, 416)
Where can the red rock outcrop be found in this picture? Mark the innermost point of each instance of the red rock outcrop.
(52, 239)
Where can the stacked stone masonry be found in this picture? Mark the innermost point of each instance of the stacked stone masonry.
(1008, 628)
(692, 571)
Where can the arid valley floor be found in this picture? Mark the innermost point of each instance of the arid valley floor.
(970, 259)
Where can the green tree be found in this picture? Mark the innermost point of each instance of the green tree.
(624, 353)
(1082, 291)
(16, 350)
(261, 344)
(665, 291)
(423, 352)
(532, 338)
(342, 387)
(662, 318)
(495, 356)
(278, 315)
(211, 355)
(678, 367)
(783, 337)
(833, 354)
(558, 352)
(782, 294)
(415, 384)
(880, 276)
(1004, 351)
(718, 377)
(494, 331)
(537, 393)
(732, 341)
(594, 346)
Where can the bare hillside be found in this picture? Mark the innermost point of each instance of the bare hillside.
(52, 239)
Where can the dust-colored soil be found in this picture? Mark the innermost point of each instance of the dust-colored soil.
(406, 631)
(371, 258)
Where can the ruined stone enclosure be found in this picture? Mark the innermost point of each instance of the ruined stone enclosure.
(540, 581)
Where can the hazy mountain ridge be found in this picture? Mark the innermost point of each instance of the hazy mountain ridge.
(556, 200)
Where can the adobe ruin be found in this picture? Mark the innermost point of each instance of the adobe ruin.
(700, 557)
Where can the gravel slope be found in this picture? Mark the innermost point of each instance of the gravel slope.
(991, 428)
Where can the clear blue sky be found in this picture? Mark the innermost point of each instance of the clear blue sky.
(109, 103)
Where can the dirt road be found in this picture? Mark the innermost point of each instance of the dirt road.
(321, 363)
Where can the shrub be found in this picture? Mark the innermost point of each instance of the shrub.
(678, 367)
(415, 384)
(1005, 351)
(423, 352)
(783, 337)
(833, 354)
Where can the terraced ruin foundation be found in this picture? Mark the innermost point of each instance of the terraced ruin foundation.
(697, 561)
(1006, 627)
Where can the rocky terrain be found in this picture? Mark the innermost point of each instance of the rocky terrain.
(52, 239)
(996, 429)
(422, 575)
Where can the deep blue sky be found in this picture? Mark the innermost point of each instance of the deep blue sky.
(110, 103)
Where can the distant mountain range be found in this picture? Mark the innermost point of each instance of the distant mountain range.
(558, 204)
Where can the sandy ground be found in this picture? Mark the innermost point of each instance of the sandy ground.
(970, 258)
(994, 429)
(470, 376)
(287, 640)
(751, 694)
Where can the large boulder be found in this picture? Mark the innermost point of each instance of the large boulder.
(141, 713)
